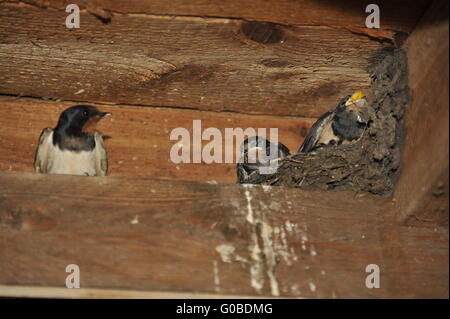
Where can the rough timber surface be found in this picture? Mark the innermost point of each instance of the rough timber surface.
(203, 63)
(397, 15)
(370, 163)
(151, 235)
(423, 187)
(138, 142)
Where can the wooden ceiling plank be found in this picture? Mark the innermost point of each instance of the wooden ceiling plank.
(195, 63)
(397, 15)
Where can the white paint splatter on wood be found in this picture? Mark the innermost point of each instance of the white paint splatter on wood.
(266, 232)
(268, 244)
(216, 276)
(135, 220)
(250, 218)
(225, 251)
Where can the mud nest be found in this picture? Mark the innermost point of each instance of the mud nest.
(370, 163)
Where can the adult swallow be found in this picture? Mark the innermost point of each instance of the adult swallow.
(342, 125)
(258, 154)
(73, 147)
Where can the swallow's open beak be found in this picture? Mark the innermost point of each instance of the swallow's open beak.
(104, 114)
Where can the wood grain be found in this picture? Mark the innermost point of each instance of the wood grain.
(396, 15)
(98, 293)
(151, 235)
(207, 64)
(139, 143)
(422, 191)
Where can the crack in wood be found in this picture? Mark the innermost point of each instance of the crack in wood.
(169, 107)
(154, 68)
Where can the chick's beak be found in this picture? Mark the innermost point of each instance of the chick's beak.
(355, 97)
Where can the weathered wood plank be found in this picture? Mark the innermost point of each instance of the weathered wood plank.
(144, 234)
(396, 15)
(208, 64)
(139, 143)
(424, 176)
(96, 293)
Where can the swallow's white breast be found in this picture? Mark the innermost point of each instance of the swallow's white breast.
(69, 162)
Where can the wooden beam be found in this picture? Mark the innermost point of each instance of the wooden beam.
(424, 174)
(139, 143)
(202, 63)
(96, 293)
(396, 15)
(151, 235)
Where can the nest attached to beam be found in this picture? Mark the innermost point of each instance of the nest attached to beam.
(370, 163)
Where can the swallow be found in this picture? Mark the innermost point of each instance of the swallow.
(258, 154)
(73, 147)
(340, 126)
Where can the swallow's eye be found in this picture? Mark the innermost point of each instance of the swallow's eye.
(85, 113)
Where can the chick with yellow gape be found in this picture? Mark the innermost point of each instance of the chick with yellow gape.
(342, 125)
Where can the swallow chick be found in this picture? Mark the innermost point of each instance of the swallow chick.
(73, 147)
(342, 125)
(258, 154)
